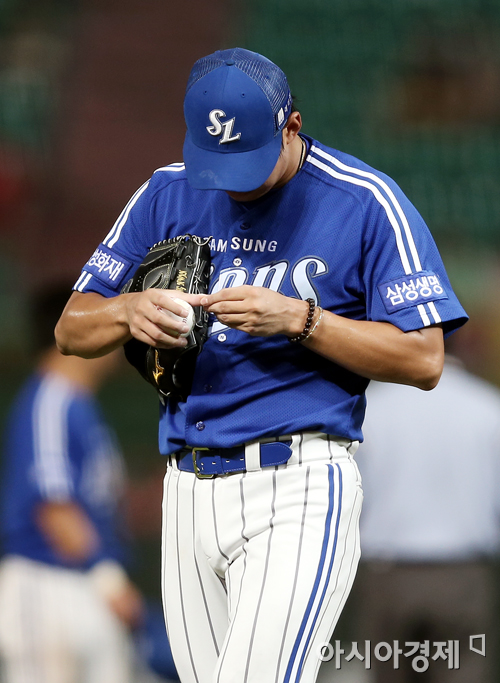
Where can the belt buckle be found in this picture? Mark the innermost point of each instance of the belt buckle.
(197, 471)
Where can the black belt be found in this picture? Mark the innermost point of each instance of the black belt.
(208, 463)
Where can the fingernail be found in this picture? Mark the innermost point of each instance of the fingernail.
(204, 301)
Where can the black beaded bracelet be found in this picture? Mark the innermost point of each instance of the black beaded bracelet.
(305, 332)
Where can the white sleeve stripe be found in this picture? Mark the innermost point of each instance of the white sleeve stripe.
(390, 194)
(82, 275)
(381, 199)
(114, 234)
(423, 314)
(173, 168)
(83, 283)
(433, 310)
(50, 440)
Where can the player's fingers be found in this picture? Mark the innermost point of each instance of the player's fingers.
(164, 301)
(237, 320)
(153, 335)
(167, 321)
(169, 315)
(251, 324)
(149, 321)
(222, 308)
(168, 304)
(227, 294)
(166, 296)
(256, 302)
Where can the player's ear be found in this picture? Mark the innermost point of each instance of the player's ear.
(292, 128)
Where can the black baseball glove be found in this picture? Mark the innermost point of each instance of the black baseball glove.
(181, 264)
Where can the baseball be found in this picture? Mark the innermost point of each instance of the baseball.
(189, 319)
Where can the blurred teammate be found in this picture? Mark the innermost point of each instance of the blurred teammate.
(65, 600)
(429, 539)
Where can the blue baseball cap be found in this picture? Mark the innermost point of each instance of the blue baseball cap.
(236, 105)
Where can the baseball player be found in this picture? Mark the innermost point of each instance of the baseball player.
(324, 276)
(65, 599)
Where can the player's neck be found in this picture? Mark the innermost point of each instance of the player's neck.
(303, 154)
(296, 157)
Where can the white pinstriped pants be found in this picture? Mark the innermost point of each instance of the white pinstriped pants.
(55, 628)
(257, 566)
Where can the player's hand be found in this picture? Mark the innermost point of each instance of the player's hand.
(111, 583)
(148, 320)
(127, 605)
(259, 311)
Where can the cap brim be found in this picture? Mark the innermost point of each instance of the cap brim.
(236, 172)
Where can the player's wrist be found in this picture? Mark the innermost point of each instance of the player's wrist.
(125, 312)
(313, 319)
(122, 309)
(315, 323)
(299, 318)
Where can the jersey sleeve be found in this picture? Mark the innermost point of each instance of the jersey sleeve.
(122, 250)
(53, 470)
(404, 278)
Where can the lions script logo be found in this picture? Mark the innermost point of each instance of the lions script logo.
(301, 276)
(224, 127)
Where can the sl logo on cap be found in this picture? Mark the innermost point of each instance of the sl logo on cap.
(224, 127)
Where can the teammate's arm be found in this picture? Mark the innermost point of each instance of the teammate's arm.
(68, 530)
(73, 537)
(92, 325)
(376, 350)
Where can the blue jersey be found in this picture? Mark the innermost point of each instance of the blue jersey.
(339, 232)
(58, 449)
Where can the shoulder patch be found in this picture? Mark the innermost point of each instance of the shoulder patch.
(108, 266)
(411, 290)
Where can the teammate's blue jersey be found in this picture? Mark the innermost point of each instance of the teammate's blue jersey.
(339, 232)
(58, 449)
